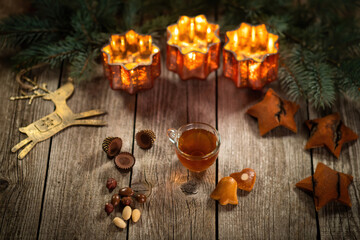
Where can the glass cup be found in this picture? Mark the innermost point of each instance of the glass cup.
(196, 145)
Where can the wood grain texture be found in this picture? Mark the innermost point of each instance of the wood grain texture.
(21, 181)
(274, 209)
(338, 221)
(76, 190)
(170, 212)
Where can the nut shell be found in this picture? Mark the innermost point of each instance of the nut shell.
(145, 139)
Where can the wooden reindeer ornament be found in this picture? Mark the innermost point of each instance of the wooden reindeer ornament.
(56, 121)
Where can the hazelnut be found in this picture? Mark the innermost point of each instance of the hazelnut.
(141, 198)
(115, 200)
(111, 184)
(109, 208)
(126, 192)
(127, 201)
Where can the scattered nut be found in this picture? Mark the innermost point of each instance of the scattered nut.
(126, 201)
(135, 215)
(115, 200)
(119, 223)
(126, 192)
(126, 214)
(111, 184)
(109, 208)
(141, 198)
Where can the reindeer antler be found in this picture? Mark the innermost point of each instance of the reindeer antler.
(32, 87)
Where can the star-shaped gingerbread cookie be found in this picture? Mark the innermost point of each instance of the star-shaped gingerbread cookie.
(330, 185)
(329, 131)
(274, 111)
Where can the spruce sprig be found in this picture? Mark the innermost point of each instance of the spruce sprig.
(319, 44)
(319, 40)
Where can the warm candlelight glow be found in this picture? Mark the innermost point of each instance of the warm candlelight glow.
(131, 61)
(251, 56)
(193, 47)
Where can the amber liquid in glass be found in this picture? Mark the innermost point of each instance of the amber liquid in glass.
(197, 143)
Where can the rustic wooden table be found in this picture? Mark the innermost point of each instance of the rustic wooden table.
(58, 191)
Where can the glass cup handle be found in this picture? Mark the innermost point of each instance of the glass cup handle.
(171, 133)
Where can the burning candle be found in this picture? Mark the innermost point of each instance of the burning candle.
(193, 47)
(131, 62)
(250, 56)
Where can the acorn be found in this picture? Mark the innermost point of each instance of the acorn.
(112, 146)
(145, 139)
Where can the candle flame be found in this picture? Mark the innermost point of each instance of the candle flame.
(235, 37)
(270, 45)
(252, 34)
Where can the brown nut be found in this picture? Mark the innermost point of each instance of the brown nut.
(111, 184)
(126, 192)
(141, 198)
(115, 200)
(109, 208)
(127, 201)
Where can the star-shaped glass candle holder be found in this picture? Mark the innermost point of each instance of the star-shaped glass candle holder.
(251, 56)
(131, 61)
(193, 47)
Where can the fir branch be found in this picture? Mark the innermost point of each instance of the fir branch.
(83, 64)
(293, 74)
(322, 92)
(18, 30)
(349, 78)
(52, 53)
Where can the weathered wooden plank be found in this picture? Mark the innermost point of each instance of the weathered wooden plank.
(275, 209)
(21, 181)
(338, 221)
(78, 169)
(171, 213)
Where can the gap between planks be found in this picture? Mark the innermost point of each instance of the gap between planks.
(48, 162)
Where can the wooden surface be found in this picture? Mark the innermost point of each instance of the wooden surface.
(58, 191)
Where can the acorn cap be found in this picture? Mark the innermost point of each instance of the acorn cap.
(124, 161)
(112, 146)
(145, 139)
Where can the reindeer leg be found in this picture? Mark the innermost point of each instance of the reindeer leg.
(91, 113)
(21, 144)
(89, 122)
(26, 150)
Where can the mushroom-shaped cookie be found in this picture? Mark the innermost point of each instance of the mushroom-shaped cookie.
(225, 191)
(245, 179)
